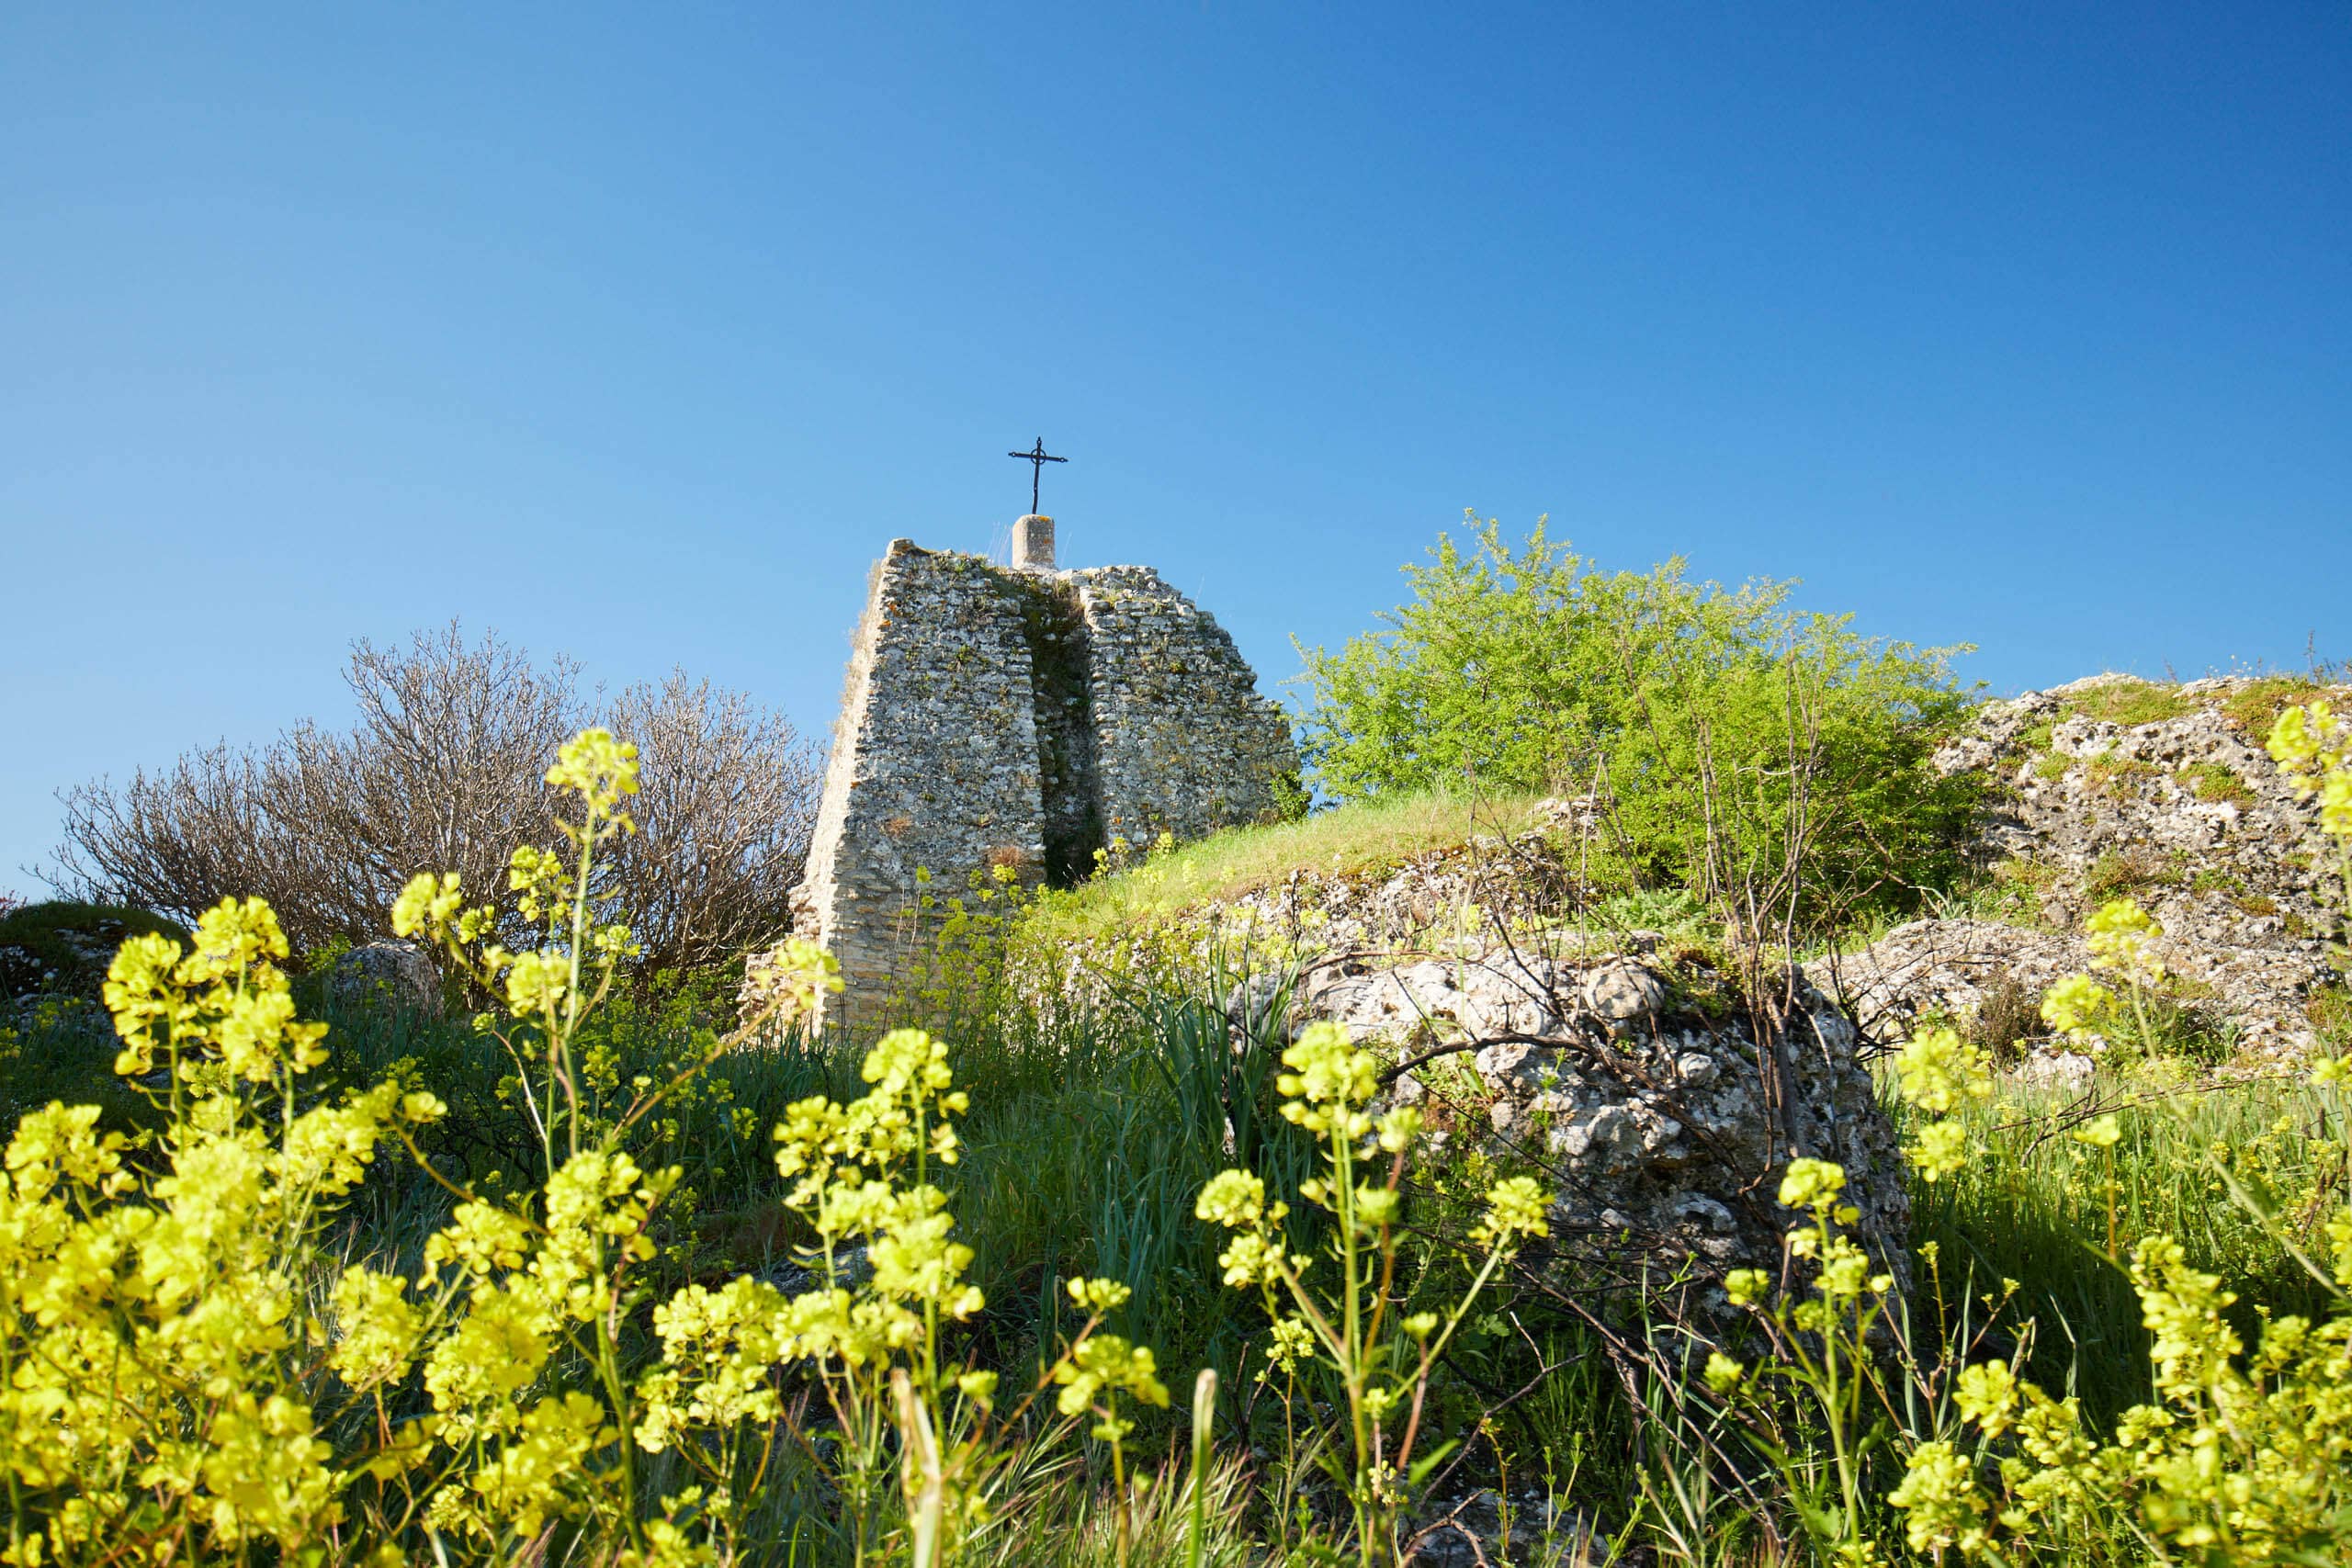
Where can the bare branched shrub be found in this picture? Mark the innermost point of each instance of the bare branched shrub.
(728, 798)
(444, 769)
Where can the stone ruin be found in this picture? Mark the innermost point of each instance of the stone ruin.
(1021, 716)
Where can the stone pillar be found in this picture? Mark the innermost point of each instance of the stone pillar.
(1033, 544)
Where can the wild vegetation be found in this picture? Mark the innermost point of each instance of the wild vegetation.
(1720, 726)
(1090, 1267)
(443, 772)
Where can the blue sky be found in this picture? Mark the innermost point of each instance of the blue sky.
(637, 334)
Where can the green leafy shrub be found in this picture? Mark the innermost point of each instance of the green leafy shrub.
(1723, 725)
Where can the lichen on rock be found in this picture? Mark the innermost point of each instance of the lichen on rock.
(1660, 1108)
(2182, 809)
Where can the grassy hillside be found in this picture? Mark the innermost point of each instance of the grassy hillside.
(623, 1343)
(1364, 838)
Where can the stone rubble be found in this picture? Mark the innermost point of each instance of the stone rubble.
(2109, 808)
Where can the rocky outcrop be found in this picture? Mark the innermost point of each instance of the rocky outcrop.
(1659, 1113)
(2110, 787)
(395, 972)
(62, 948)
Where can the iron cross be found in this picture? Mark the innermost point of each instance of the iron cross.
(1036, 459)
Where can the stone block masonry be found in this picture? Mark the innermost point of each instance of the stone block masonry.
(1022, 717)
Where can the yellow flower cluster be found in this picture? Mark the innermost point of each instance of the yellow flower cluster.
(155, 1333)
(2121, 937)
(1380, 1354)
(1329, 1082)
(2240, 1457)
(1938, 1073)
(189, 1370)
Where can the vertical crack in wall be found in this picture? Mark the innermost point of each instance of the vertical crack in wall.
(1062, 696)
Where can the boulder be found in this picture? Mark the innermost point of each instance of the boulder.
(1656, 1107)
(399, 971)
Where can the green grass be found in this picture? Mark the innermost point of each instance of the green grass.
(66, 945)
(2125, 872)
(1092, 1131)
(2117, 777)
(1348, 840)
(63, 1048)
(2256, 707)
(2131, 701)
(2217, 782)
(2035, 1210)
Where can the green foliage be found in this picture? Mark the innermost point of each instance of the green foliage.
(1349, 1319)
(191, 1368)
(592, 1319)
(2217, 782)
(1715, 720)
(57, 1047)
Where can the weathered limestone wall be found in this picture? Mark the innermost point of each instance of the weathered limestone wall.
(1022, 717)
(934, 756)
(1182, 741)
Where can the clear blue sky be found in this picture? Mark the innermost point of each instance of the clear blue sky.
(636, 333)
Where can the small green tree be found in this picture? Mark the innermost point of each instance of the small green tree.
(1735, 738)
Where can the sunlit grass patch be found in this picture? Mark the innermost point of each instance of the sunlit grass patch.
(2131, 701)
(1360, 839)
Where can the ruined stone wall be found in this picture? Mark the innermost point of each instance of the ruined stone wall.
(1182, 741)
(934, 756)
(1011, 717)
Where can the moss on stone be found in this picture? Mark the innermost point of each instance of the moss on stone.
(2216, 782)
(2255, 707)
(2129, 703)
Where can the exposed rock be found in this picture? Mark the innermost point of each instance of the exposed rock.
(1622, 995)
(1659, 1122)
(398, 972)
(62, 948)
(1470, 1533)
(2185, 812)
(852, 1267)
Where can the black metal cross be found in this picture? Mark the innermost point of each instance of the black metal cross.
(1036, 460)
